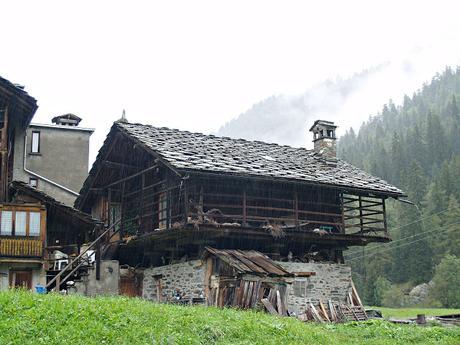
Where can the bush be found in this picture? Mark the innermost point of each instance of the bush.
(447, 281)
(395, 297)
(381, 286)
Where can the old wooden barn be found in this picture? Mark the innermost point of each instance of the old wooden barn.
(167, 195)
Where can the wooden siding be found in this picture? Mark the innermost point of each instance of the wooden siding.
(21, 247)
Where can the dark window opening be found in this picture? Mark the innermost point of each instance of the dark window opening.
(33, 182)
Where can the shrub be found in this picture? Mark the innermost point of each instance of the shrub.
(447, 281)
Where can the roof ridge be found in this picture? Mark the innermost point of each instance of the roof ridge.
(214, 136)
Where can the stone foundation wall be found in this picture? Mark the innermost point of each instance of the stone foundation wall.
(184, 279)
(332, 281)
(107, 285)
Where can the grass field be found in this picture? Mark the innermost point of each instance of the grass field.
(404, 313)
(27, 318)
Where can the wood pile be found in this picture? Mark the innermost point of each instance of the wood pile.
(275, 302)
(325, 312)
(329, 312)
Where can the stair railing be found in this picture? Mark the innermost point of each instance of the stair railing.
(58, 276)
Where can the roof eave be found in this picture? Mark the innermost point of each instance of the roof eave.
(394, 195)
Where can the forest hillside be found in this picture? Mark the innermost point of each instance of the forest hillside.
(416, 146)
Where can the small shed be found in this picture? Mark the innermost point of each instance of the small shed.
(244, 279)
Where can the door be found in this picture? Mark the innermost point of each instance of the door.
(131, 285)
(21, 279)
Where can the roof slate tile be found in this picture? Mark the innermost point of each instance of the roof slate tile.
(184, 150)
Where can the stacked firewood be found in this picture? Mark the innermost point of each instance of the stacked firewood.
(322, 312)
(353, 310)
(329, 312)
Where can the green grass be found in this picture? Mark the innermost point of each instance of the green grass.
(27, 318)
(405, 313)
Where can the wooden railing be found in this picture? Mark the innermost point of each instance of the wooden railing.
(21, 247)
(350, 214)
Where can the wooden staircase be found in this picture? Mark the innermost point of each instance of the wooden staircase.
(81, 263)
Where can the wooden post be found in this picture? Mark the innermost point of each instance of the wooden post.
(421, 320)
(207, 281)
(343, 213)
(361, 214)
(296, 209)
(122, 210)
(109, 209)
(4, 157)
(168, 208)
(200, 206)
(245, 223)
(58, 283)
(385, 225)
(141, 202)
(185, 201)
(98, 261)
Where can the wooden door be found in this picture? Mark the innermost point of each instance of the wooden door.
(131, 286)
(21, 279)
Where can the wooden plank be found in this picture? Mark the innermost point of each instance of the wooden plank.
(279, 304)
(207, 281)
(323, 309)
(350, 299)
(355, 294)
(304, 274)
(269, 306)
(245, 293)
(315, 313)
(247, 302)
(332, 311)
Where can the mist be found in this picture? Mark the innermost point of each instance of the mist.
(349, 101)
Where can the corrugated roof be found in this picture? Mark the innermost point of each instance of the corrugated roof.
(208, 153)
(249, 261)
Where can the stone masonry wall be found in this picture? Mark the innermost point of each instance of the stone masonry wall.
(107, 285)
(332, 281)
(184, 279)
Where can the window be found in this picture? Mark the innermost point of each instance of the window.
(301, 288)
(6, 224)
(26, 223)
(35, 142)
(33, 182)
(20, 223)
(162, 211)
(34, 224)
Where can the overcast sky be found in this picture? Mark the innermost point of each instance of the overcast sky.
(196, 64)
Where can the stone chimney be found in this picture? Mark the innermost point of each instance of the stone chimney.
(324, 139)
(67, 120)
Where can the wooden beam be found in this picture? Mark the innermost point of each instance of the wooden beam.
(385, 216)
(131, 176)
(119, 165)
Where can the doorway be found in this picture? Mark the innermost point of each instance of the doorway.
(21, 279)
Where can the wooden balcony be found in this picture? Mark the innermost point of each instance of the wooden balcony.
(21, 247)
